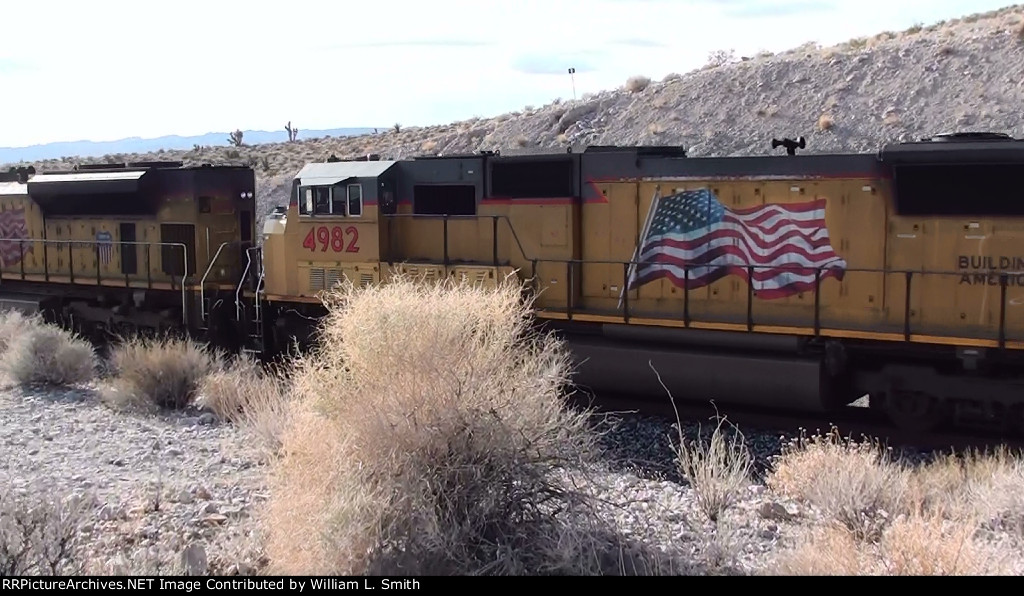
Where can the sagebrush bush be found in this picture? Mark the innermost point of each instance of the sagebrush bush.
(429, 436)
(638, 83)
(242, 392)
(14, 323)
(46, 354)
(916, 544)
(853, 483)
(931, 518)
(993, 490)
(40, 537)
(161, 372)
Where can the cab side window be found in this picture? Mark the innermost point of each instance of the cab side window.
(305, 200)
(339, 200)
(355, 200)
(323, 200)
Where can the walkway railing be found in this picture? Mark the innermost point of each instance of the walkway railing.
(99, 246)
(747, 271)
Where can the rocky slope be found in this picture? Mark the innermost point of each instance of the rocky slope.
(958, 75)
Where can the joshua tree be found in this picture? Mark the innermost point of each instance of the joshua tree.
(236, 138)
(293, 133)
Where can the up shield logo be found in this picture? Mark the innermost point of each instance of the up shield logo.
(105, 243)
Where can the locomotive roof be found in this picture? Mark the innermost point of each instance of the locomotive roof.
(337, 171)
(956, 148)
(12, 188)
(87, 176)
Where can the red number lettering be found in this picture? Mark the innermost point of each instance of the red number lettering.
(352, 246)
(337, 239)
(333, 237)
(324, 236)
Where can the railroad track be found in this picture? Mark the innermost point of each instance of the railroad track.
(851, 421)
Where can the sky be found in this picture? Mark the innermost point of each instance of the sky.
(109, 69)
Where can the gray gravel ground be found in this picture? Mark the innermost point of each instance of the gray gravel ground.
(181, 491)
(157, 484)
(161, 484)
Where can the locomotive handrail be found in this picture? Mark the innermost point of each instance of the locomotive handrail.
(494, 219)
(202, 282)
(241, 283)
(908, 274)
(71, 269)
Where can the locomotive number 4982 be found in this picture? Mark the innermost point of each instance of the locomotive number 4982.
(334, 238)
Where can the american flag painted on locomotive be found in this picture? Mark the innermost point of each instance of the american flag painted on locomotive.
(693, 229)
(13, 225)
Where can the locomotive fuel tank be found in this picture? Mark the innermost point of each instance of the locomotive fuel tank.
(697, 374)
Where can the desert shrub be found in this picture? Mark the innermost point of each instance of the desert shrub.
(636, 84)
(994, 490)
(916, 544)
(161, 372)
(39, 537)
(853, 483)
(46, 354)
(14, 323)
(720, 58)
(428, 436)
(718, 471)
(243, 393)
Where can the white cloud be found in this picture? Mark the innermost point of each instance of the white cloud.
(110, 69)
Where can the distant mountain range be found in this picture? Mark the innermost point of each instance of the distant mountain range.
(140, 145)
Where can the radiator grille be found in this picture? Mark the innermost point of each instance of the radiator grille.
(316, 279)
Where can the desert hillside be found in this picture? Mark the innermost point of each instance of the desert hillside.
(962, 74)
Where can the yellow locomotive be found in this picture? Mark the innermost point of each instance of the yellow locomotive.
(793, 281)
(789, 281)
(124, 247)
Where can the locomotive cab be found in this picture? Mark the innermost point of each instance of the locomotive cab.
(330, 230)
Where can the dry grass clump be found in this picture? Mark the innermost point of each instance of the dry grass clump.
(161, 372)
(917, 544)
(889, 518)
(994, 488)
(428, 436)
(717, 471)
(37, 353)
(855, 484)
(244, 393)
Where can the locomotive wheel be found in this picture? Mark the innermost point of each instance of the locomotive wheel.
(914, 411)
